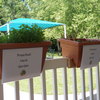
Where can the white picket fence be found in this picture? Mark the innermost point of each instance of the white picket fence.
(53, 64)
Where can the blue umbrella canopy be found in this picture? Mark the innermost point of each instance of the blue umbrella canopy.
(17, 22)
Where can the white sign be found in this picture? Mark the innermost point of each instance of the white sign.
(20, 64)
(90, 56)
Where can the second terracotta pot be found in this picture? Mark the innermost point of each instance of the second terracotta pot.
(73, 49)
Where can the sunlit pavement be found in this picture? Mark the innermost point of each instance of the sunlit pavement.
(9, 94)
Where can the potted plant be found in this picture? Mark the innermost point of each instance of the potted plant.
(72, 48)
(24, 37)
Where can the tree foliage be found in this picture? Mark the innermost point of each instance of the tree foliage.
(82, 17)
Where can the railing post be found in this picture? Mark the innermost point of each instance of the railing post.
(83, 84)
(91, 84)
(17, 94)
(55, 84)
(44, 97)
(98, 82)
(74, 84)
(31, 92)
(65, 87)
(1, 90)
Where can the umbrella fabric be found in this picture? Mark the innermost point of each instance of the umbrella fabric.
(17, 22)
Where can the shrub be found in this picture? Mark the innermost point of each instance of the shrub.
(26, 34)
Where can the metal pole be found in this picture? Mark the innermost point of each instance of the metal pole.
(65, 32)
(8, 28)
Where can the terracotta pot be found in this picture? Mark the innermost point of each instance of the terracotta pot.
(45, 46)
(73, 49)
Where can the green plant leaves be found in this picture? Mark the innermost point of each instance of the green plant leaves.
(25, 34)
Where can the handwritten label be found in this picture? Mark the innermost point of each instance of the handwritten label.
(20, 64)
(90, 56)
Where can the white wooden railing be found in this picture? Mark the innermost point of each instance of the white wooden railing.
(53, 64)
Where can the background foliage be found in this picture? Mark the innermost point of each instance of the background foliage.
(82, 17)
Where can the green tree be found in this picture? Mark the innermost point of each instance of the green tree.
(81, 17)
